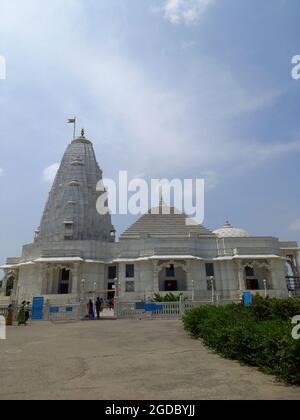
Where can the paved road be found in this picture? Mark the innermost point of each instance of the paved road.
(123, 360)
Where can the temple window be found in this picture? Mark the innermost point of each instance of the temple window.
(211, 283)
(129, 287)
(64, 282)
(249, 271)
(210, 270)
(252, 284)
(10, 286)
(170, 271)
(129, 271)
(112, 273)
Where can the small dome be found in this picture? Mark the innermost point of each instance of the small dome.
(228, 231)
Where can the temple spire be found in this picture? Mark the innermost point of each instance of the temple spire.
(71, 210)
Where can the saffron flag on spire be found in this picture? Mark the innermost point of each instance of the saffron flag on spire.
(73, 121)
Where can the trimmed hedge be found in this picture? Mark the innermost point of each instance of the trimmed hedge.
(258, 336)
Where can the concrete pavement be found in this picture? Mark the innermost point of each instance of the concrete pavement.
(123, 359)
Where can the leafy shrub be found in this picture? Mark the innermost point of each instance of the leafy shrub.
(258, 336)
(267, 309)
(170, 297)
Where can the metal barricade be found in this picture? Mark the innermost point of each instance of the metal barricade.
(65, 313)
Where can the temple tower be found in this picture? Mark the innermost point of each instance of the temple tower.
(70, 212)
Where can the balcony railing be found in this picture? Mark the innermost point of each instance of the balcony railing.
(60, 253)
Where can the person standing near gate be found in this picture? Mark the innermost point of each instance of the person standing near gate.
(27, 312)
(102, 305)
(91, 310)
(21, 315)
(10, 316)
(111, 304)
(98, 307)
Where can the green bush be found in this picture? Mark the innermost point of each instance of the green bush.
(267, 309)
(170, 297)
(258, 336)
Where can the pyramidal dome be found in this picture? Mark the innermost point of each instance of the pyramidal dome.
(70, 212)
(165, 221)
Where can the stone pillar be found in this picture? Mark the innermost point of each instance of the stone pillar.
(278, 279)
(241, 278)
(51, 281)
(75, 279)
(189, 277)
(297, 262)
(46, 288)
(41, 273)
(4, 283)
(219, 285)
(155, 277)
(15, 292)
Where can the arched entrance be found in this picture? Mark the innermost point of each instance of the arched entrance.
(257, 275)
(64, 281)
(9, 285)
(172, 278)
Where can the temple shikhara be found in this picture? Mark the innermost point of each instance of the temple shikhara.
(75, 251)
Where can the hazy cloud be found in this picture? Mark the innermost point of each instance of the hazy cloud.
(294, 226)
(50, 172)
(161, 101)
(185, 122)
(185, 11)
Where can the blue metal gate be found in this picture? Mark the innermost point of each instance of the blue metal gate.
(37, 309)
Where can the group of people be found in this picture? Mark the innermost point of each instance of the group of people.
(93, 310)
(99, 307)
(23, 314)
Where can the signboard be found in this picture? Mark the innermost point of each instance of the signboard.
(54, 310)
(152, 307)
(37, 309)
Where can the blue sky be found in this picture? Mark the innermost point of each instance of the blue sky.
(164, 88)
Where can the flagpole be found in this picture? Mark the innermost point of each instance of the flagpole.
(74, 128)
(73, 121)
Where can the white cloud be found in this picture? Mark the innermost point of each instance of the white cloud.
(1, 171)
(161, 130)
(50, 172)
(294, 226)
(185, 11)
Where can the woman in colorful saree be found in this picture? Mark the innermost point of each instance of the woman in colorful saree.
(21, 316)
(10, 316)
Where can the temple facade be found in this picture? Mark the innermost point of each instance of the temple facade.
(75, 253)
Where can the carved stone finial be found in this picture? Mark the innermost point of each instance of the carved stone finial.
(82, 133)
(228, 224)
